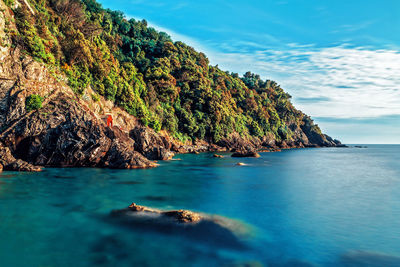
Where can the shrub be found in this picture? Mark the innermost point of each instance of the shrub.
(95, 97)
(9, 2)
(33, 102)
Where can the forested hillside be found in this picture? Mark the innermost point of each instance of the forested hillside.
(165, 84)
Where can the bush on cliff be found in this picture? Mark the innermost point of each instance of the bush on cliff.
(33, 102)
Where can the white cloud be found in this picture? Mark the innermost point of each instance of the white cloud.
(357, 82)
(353, 82)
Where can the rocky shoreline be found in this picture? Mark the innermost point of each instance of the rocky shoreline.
(69, 131)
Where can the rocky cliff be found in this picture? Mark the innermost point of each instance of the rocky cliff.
(70, 131)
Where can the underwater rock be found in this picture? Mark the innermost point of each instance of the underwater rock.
(193, 225)
(218, 156)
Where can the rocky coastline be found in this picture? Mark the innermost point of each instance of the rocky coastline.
(70, 131)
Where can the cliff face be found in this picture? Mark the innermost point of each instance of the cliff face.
(65, 131)
(70, 131)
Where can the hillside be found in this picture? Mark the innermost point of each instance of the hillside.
(76, 60)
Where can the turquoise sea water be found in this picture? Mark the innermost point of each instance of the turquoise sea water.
(303, 207)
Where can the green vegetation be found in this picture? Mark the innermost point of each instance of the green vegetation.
(9, 2)
(33, 102)
(167, 85)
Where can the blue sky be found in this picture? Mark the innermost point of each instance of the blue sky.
(340, 60)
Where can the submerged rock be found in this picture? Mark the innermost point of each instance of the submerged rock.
(181, 216)
(241, 164)
(245, 154)
(218, 156)
(198, 226)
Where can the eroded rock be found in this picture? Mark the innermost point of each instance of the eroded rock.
(245, 154)
(181, 216)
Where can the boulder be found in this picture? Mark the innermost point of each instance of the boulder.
(23, 166)
(151, 144)
(183, 216)
(245, 154)
(180, 216)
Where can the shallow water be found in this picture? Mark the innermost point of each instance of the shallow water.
(302, 207)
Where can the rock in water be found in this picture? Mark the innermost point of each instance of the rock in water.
(181, 216)
(197, 226)
(184, 216)
(23, 166)
(217, 156)
(245, 154)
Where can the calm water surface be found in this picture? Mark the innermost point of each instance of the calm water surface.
(303, 207)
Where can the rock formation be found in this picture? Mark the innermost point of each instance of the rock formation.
(198, 226)
(246, 154)
(69, 131)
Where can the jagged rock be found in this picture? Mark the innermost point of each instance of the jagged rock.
(245, 154)
(9, 163)
(6, 157)
(65, 134)
(160, 153)
(151, 144)
(23, 166)
(235, 142)
(181, 216)
(215, 148)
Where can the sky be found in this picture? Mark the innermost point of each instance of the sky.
(340, 60)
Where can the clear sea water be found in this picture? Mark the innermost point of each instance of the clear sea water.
(303, 207)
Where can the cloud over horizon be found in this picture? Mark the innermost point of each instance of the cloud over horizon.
(341, 81)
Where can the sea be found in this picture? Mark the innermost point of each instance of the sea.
(298, 207)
